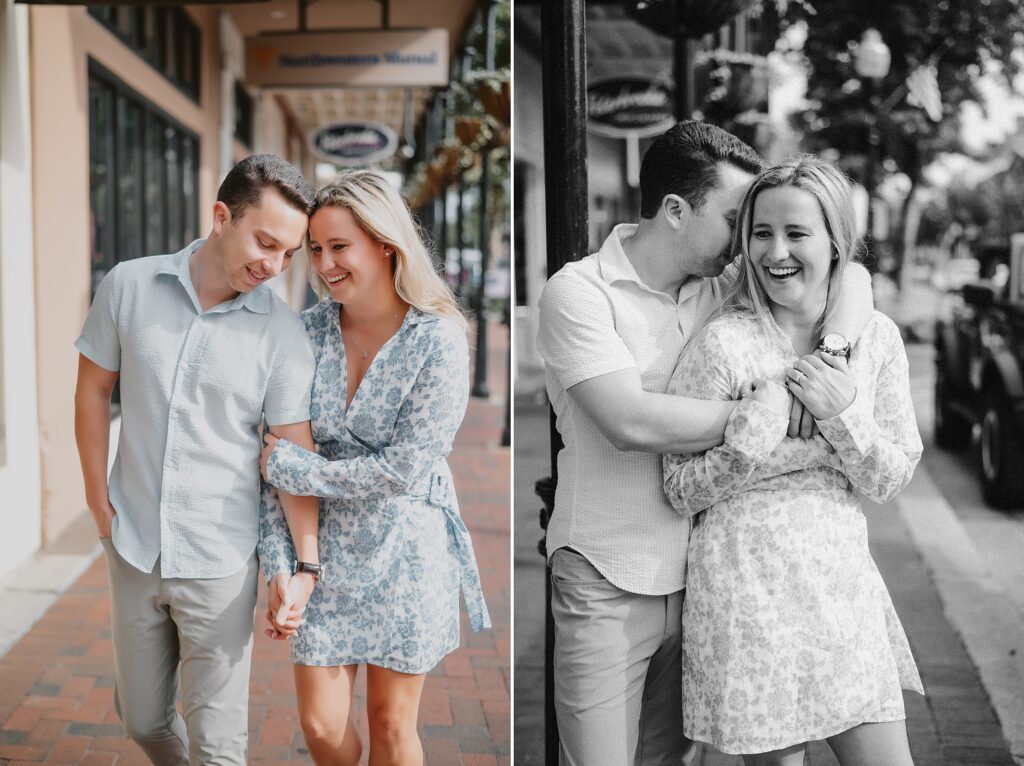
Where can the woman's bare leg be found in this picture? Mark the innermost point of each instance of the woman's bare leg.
(873, 744)
(392, 706)
(325, 714)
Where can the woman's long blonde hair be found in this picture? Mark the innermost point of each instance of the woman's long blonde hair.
(383, 215)
(830, 187)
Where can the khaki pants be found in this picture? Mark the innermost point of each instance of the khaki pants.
(203, 626)
(618, 670)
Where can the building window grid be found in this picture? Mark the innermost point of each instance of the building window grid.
(133, 191)
(244, 112)
(165, 37)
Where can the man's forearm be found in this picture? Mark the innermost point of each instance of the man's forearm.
(301, 513)
(668, 424)
(854, 305)
(92, 435)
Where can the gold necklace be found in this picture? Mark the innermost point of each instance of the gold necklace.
(366, 354)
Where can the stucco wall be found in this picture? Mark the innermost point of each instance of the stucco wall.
(19, 473)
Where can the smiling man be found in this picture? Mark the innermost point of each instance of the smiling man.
(204, 352)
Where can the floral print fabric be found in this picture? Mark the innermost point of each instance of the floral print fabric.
(396, 552)
(789, 632)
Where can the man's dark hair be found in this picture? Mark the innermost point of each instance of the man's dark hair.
(245, 182)
(684, 160)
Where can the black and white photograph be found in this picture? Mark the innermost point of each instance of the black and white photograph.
(769, 412)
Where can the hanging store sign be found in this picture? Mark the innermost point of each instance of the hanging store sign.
(339, 59)
(623, 107)
(354, 143)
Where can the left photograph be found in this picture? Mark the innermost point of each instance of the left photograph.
(255, 382)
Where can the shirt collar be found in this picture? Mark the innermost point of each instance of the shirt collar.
(615, 266)
(176, 264)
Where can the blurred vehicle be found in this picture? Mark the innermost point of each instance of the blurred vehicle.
(979, 379)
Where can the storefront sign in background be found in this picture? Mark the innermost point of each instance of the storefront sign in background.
(624, 106)
(338, 59)
(355, 143)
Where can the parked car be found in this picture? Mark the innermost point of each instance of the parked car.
(979, 379)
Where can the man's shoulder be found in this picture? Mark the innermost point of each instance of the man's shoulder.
(139, 269)
(575, 280)
(280, 316)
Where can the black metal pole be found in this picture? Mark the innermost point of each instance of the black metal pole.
(684, 55)
(480, 388)
(459, 239)
(564, 68)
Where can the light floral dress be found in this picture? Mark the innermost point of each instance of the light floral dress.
(789, 633)
(395, 550)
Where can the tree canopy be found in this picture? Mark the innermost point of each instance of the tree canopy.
(960, 38)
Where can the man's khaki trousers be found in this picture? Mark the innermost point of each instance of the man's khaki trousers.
(203, 626)
(618, 670)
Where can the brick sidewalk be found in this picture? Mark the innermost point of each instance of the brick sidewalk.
(56, 683)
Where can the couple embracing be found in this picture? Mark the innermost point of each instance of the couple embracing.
(357, 527)
(724, 387)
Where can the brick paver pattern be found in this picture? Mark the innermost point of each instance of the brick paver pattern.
(56, 683)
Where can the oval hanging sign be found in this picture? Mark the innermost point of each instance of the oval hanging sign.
(622, 106)
(355, 143)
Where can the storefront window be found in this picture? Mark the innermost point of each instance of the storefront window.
(166, 37)
(143, 177)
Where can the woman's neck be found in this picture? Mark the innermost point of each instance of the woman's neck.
(800, 326)
(378, 310)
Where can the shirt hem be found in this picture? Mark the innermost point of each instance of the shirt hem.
(629, 588)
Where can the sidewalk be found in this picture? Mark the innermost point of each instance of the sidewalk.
(56, 683)
(954, 724)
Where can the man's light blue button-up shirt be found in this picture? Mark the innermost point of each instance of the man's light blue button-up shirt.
(194, 388)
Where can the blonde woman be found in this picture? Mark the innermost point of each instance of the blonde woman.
(391, 389)
(790, 634)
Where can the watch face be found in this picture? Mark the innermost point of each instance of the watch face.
(834, 342)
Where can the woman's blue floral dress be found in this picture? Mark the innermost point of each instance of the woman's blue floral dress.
(395, 551)
(789, 634)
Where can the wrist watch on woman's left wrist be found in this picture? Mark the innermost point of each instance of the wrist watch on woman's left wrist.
(835, 344)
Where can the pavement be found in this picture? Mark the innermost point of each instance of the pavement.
(952, 566)
(56, 669)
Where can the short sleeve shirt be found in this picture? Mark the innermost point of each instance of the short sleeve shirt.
(195, 387)
(597, 317)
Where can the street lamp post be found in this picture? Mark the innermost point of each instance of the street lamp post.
(871, 61)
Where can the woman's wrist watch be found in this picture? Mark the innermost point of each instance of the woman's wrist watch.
(315, 570)
(835, 344)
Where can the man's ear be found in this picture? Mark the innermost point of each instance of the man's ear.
(676, 210)
(221, 216)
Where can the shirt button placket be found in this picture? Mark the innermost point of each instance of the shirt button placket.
(173, 491)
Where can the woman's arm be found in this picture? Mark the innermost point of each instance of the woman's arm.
(880, 446)
(424, 430)
(695, 482)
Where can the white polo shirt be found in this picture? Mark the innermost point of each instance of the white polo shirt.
(195, 386)
(597, 317)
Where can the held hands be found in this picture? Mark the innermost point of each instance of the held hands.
(286, 604)
(824, 386)
(269, 440)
